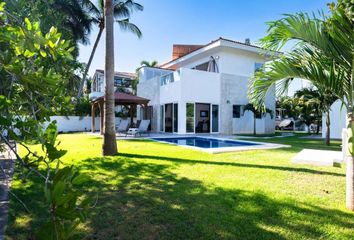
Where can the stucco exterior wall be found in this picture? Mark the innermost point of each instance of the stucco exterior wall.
(233, 90)
(150, 89)
(238, 62)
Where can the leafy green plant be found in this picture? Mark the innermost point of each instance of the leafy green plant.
(34, 69)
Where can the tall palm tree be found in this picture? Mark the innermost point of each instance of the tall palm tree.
(323, 55)
(122, 10)
(109, 147)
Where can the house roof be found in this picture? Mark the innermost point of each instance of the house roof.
(120, 74)
(125, 99)
(212, 42)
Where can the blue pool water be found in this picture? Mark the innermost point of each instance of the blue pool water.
(205, 142)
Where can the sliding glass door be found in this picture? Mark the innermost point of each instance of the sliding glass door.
(190, 117)
(175, 117)
(168, 117)
(215, 118)
(162, 117)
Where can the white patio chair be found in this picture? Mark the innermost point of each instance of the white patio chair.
(143, 127)
(122, 127)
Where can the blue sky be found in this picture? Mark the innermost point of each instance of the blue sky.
(165, 22)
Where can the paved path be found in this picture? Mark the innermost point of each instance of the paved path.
(318, 157)
(7, 163)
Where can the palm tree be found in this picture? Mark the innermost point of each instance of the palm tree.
(145, 63)
(323, 55)
(109, 134)
(71, 18)
(122, 10)
(256, 112)
(319, 101)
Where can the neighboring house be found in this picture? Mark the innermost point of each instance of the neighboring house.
(123, 82)
(203, 89)
(338, 120)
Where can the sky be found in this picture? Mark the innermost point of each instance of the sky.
(167, 22)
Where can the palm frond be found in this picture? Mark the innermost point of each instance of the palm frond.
(125, 25)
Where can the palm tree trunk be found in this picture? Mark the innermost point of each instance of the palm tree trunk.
(350, 165)
(109, 134)
(79, 94)
(350, 160)
(328, 129)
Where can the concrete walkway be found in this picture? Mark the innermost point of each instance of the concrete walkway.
(7, 164)
(318, 157)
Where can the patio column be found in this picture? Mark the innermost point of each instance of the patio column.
(93, 110)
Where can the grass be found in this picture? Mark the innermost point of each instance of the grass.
(153, 190)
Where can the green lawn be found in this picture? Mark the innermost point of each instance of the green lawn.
(159, 191)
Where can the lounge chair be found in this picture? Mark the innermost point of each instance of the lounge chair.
(122, 127)
(143, 127)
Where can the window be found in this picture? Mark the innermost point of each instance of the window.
(118, 81)
(215, 118)
(175, 117)
(236, 111)
(190, 117)
(258, 67)
(161, 118)
(202, 67)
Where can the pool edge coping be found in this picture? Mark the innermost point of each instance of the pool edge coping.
(259, 146)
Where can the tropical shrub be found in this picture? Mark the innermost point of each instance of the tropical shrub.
(34, 69)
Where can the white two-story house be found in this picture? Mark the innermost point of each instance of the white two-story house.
(203, 89)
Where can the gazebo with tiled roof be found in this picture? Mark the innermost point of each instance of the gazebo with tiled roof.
(123, 99)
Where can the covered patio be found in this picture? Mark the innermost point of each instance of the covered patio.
(120, 99)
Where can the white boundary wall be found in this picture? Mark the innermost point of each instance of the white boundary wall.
(244, 124)
(338, 120)
(76, 123)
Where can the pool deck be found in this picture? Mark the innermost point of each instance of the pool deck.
(259, 146)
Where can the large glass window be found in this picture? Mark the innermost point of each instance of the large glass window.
(168, 117)
(215, 118)
(190, 117)
(175, 117)
(236, 111)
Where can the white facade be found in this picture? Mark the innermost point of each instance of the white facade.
(338, 120)
(215, 99)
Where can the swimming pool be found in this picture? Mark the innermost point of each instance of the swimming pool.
(206, 143)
